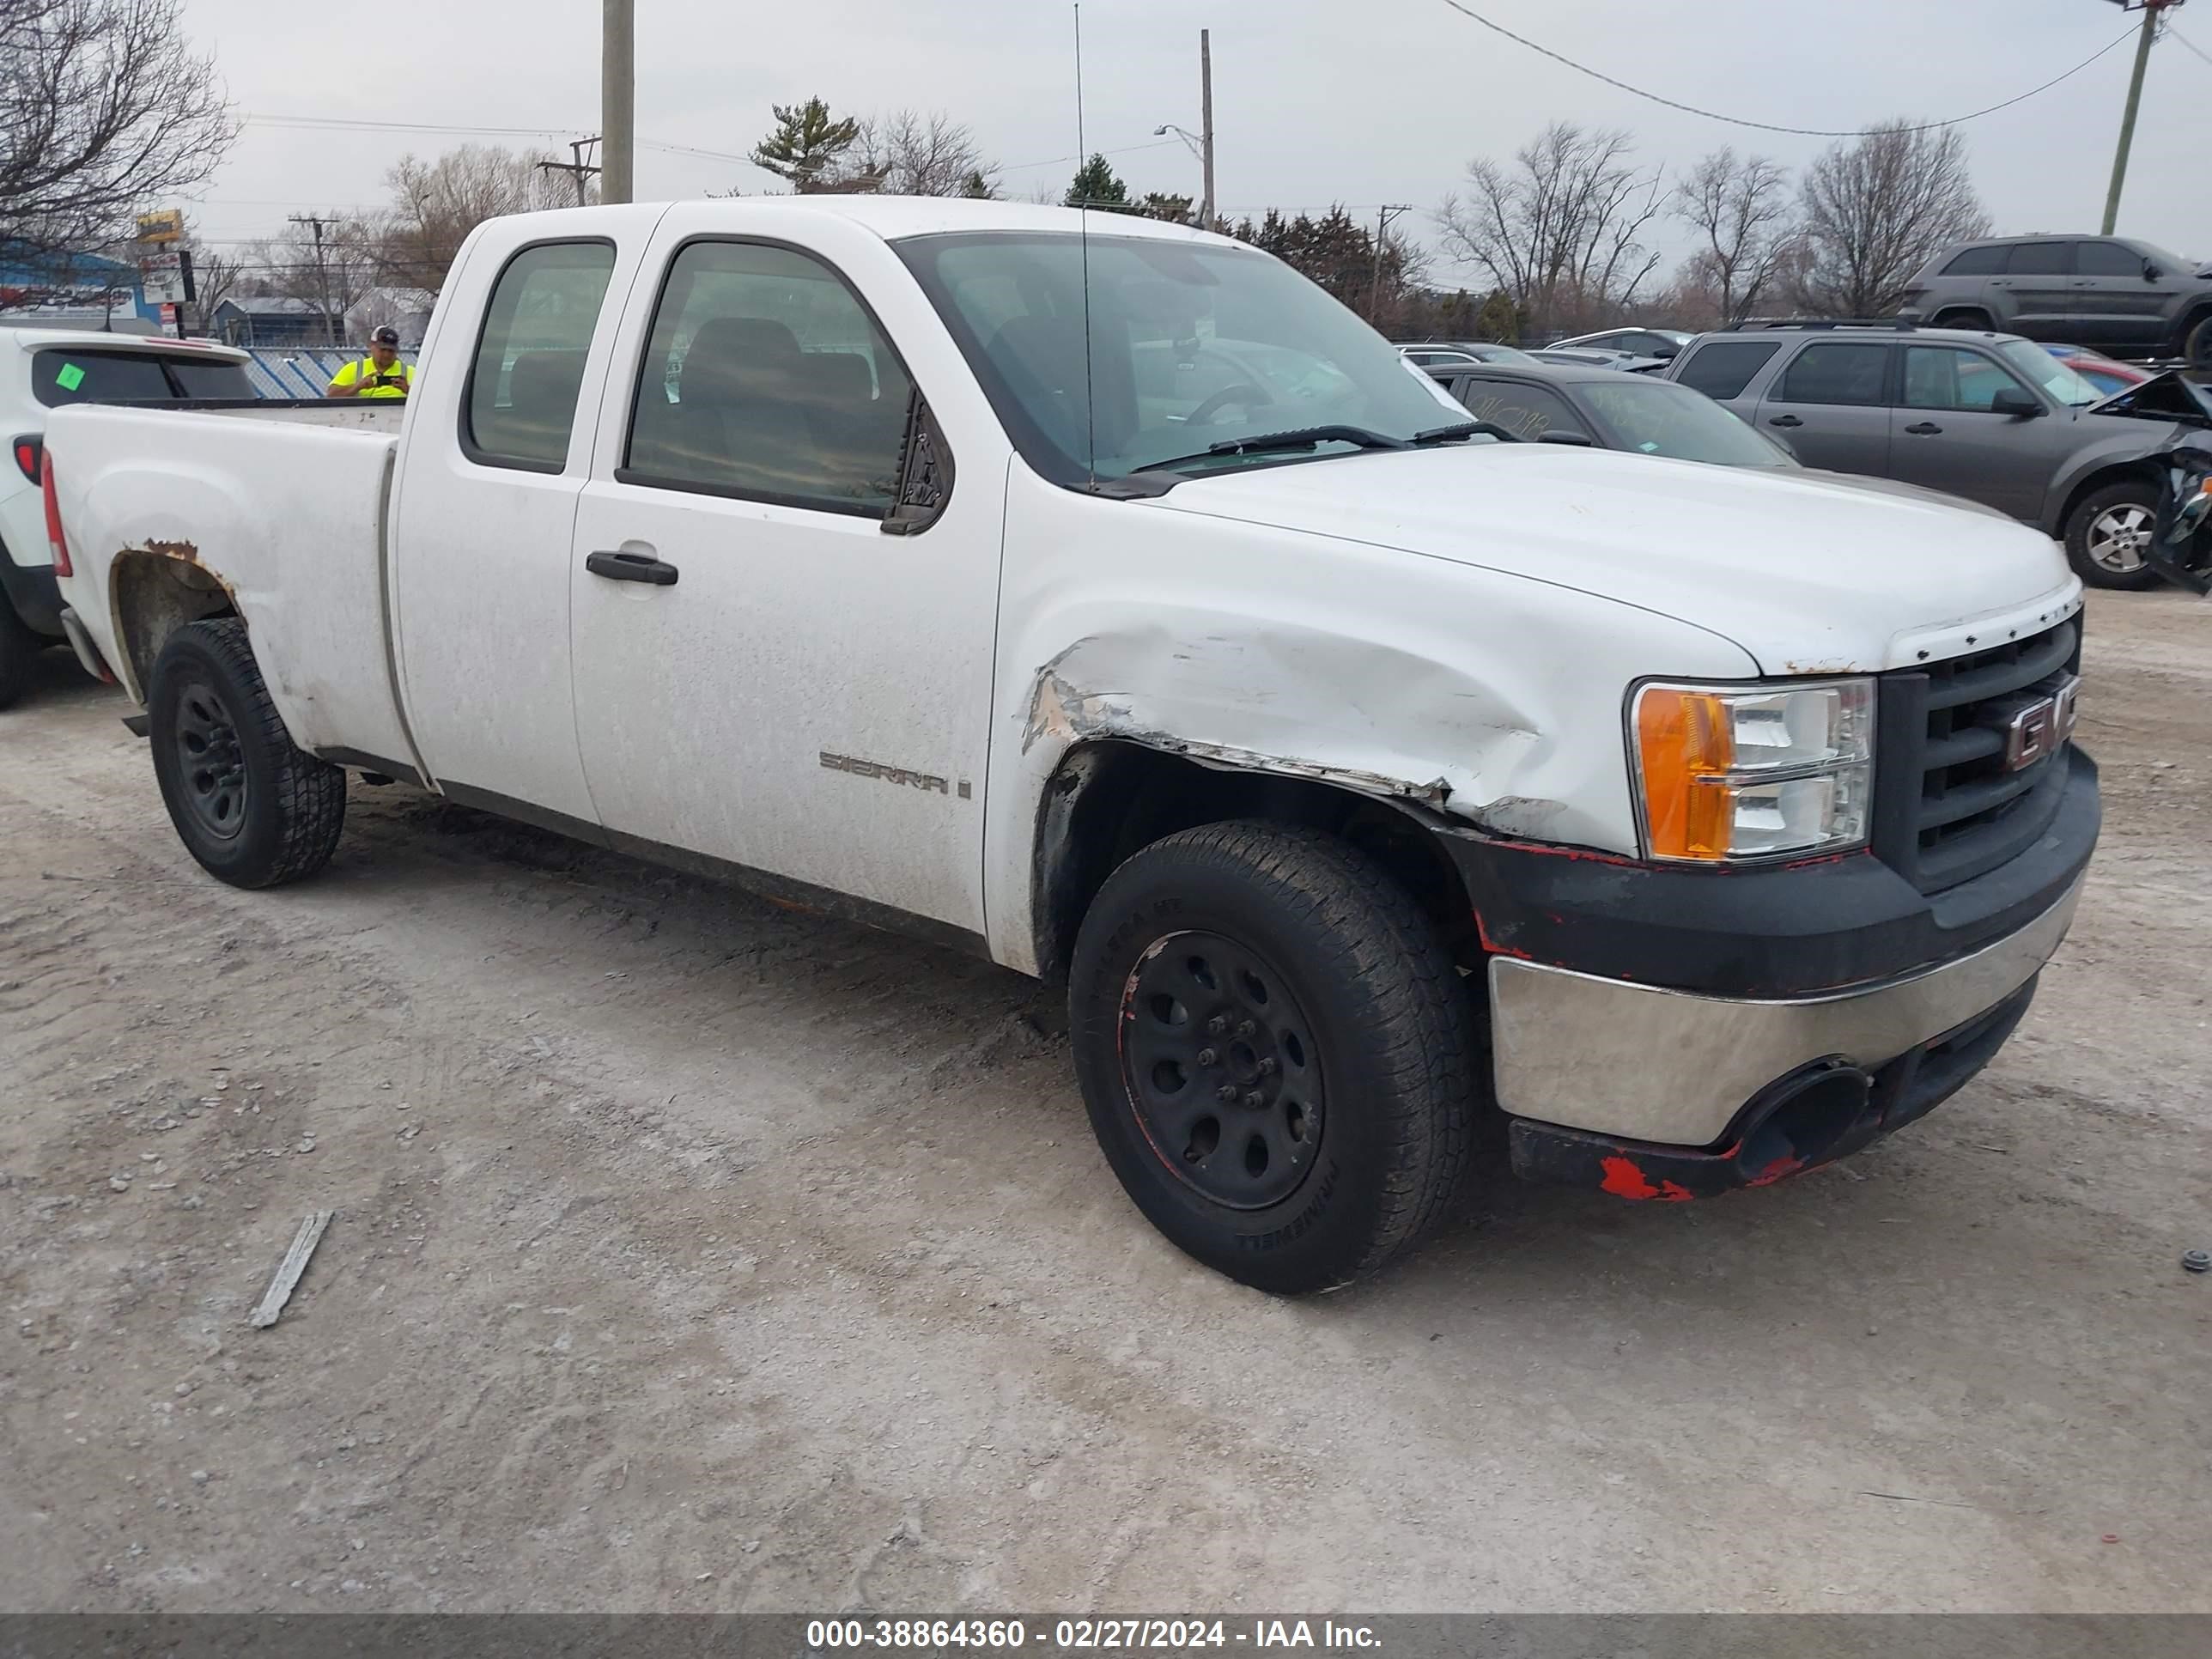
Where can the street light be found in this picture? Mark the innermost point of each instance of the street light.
(1191, 140)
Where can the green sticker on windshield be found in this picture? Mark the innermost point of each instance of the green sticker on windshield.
(70, 378)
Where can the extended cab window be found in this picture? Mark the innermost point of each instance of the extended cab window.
(62, 375)
(1836, 372)
(1722, 368)
(766, 378)
(529, 370)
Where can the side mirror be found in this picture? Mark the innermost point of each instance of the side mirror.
(2151, 272)
(1574, 440)
(2020, 405)
(1667, 353)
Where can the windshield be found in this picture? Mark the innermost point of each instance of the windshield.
(1190, 347)
(2047, 372)
(1657, 417)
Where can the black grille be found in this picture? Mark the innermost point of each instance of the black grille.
(1946, 810)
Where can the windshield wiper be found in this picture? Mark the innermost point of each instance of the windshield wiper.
(1306, 437)
(1442, 435)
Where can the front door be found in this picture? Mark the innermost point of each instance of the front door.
(764, 675)
(1948, 439)
(1831, 405)
(2117, 304)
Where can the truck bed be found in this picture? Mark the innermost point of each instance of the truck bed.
(288, 501)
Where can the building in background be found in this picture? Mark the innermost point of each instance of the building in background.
(71, 290)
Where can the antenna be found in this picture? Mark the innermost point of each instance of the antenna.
(1083, 224)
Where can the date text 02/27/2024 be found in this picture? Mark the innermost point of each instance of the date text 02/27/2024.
(949, 1636)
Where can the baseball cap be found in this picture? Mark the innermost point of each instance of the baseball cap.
(385, 336)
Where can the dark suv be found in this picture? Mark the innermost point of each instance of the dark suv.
(1987, 416)
(2119, 296)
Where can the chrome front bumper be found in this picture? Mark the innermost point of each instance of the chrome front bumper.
(1647, 1064)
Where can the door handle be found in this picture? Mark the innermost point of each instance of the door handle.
(1923, 429)
(1785, 420)
(632, 567)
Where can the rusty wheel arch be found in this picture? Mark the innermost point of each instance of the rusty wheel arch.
(154, 590)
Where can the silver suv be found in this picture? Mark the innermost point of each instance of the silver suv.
(2125, 298)
(1988, 416)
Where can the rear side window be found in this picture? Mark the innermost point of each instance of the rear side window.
(2040, 260)
(1722, 368)
(766, 378)
(61, 376)
(1526, 411)
(1978, 262)
(1835, 372)
(2108, 259)
(529, 369)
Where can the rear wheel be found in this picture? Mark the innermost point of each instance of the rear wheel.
(19, 650)
(252, 806)
(1276, 1053)
(2197, 340)
(2110, 533)
(1965, 318)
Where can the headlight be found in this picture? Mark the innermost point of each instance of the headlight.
(1731, 774)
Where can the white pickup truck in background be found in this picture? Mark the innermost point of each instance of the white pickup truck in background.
(1107, 600)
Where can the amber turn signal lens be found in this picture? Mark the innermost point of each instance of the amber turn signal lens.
(1686, 749)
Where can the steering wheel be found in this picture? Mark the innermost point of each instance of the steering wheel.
(1252, 397)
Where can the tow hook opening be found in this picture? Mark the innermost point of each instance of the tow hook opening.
(1800, 1119)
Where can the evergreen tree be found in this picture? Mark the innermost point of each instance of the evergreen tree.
(807, 147)
(1096, 186)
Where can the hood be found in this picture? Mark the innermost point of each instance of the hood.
(1807, 573)
(2164, 396)
(1910, 492)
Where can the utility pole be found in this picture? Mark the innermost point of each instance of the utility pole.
(1205, 122)
(2150, 10)
(618, 100)
(1390, 210)
(579, 169)
(322, 276)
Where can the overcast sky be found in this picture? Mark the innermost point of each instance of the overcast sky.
(1315, 101)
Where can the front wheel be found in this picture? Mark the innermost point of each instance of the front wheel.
(2109, 535)
(2197, 341)
(1277, 1052)
(252, 807)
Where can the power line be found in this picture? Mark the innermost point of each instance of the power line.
(2185, 41)
(1768, 126)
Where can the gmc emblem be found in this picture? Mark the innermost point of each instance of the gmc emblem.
(2041, 728)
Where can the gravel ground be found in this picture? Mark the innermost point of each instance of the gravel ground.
(693, 1254)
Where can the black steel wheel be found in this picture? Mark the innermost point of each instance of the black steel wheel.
(1221, 1067)
(210, 763)
(1276, 1053)
(249, 804)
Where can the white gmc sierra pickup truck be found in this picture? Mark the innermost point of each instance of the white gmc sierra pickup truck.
(1107, 600)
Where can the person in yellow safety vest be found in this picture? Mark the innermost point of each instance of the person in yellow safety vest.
(379, 374)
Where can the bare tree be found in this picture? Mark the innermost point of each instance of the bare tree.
(1560, 230)
(331, 275)
(103, 109)
(907, 153)
(1876, 210)
(435, 205)
(1740, 208)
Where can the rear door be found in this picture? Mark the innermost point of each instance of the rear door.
(2035, 293)
(2115, 304)
(1947, 438)
(492, 463)
(1831, 405)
